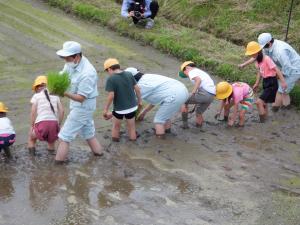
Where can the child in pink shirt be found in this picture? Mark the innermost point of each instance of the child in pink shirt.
(269, 72)
(46, 115)
(233, 95)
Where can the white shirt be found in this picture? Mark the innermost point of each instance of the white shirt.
(206, 84)
(157, 88)
(44, 111)
(6, 126)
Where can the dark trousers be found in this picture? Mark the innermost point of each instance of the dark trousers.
(154, 7)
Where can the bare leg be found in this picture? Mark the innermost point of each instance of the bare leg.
(286, 100)
(261, 106)
(115, 132)
(31, 139)
(184, 116)
(62, 151)
(95, 146)
(199, 120)
(167, 126)
(160, 130)
(226, 111)
(131, 129)
(51, 146)
(278, 101)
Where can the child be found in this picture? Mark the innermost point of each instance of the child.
(46, 115)
(123, 91)
(7, 133)
(269, 72)
(233, 95)
(202, 94)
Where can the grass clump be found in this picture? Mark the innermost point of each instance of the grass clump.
(58, 84)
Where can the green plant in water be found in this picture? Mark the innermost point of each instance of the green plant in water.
(58, 84)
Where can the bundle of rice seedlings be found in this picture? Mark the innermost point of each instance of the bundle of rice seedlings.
(58, 84)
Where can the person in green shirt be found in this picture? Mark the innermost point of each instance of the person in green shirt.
(125, 95)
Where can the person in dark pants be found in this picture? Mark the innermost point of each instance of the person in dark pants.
(7, 132)
(140, 9)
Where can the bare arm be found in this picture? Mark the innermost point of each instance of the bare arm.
(244, 64)
(234, 115)
(75, 97)
(281, 78)
(145, 111)
(61, 112)
(109, 100)
(138, 94)
(255, 86)
(33, 114)
(196, 85)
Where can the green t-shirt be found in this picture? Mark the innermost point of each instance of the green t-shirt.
(122, 84)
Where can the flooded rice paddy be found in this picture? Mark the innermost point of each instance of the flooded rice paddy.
(207, 176)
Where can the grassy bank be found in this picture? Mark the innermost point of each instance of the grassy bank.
(187, 43)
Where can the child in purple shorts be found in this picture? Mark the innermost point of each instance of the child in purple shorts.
(46, 115)
(7, 133)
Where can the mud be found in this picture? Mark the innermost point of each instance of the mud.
(213, 175)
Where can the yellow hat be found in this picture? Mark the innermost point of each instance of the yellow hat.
(38, 81)
(252, 48)
(185, 64)
(3, 108)
(110, 62)
(224, 90)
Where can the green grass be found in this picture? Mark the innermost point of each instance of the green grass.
(58, 84)
(217, 55)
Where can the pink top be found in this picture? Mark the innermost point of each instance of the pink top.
(240, 91)
(267, 67)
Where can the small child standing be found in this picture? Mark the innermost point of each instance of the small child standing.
(270, 73)
(7, 133)
(46, 115)
(233, 95)
(125, 95)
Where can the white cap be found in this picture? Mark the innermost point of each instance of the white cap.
(264, 39)
(69, 48)
(132, 70)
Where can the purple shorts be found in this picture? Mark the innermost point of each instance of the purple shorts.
(47, 131)
(6, 140)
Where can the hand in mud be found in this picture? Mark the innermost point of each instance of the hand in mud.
(241, 66)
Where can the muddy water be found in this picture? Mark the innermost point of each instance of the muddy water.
(213, 175)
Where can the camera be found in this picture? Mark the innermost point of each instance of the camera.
(138, 9)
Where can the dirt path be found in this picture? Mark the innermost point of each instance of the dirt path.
(213, 175)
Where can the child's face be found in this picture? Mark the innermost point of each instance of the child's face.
(39, 88)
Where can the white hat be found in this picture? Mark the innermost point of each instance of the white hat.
(264, 39)
(69, 48)
(132, 70)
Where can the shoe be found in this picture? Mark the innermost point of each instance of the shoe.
(262, 118)
(7, 152)
(32, 151)
(149, 24)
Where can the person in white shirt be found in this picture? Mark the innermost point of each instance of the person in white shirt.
(202, 94)
(169, 94)
(7, 132)
(46, 115)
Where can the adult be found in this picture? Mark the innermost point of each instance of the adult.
(202, 94)
(288, 61)
(82, 95)
(160, 90)
(125, 95)
(140, 9)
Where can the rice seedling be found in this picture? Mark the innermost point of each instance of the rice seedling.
(58, 84)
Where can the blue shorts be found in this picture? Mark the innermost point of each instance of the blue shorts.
(6, 140)
(79, 121)
(171, 105)
(290, 81)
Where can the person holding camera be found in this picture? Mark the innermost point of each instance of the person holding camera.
(140, 9)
